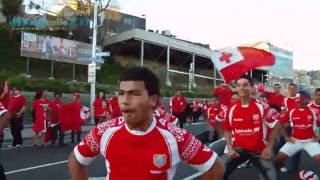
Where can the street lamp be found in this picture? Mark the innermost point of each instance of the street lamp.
(92, 66)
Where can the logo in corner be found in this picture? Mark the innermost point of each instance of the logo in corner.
(255, 117)
(159, 160)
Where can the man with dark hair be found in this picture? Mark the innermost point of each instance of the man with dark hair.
(213, 112)
(55, 106)
(245, 123)
(290, 101)
(303, 121)
(315, 105)
(178, 105)
(275, 98)
(224, 92)
(16, 109)
(138, 136)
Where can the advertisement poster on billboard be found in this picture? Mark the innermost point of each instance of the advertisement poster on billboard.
(56, 49)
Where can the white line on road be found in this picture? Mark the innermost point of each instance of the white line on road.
(36, 167)
(193, 176)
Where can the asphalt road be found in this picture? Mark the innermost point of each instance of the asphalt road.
(50, 163)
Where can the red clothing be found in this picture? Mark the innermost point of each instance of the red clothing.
(98, 108)
(41, 115)
(16, 104)
(178, 104)
(163, 146)
(160, 105)
(115, 112)
(290, 103)
(302, 121)
(162, 115)
(197, 106)
(316, 109)
(248, 125)
(213, 115)
(74, 109)
(275, 98)
(55, 105)
(224, 94)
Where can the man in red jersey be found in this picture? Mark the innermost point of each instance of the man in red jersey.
(55, 106)
(178, 105)
(224, 92)
(213, 117)
(290, 101)
(315, 105)
(275, 98)
(114, 106)
(16, 109)
(138, 136)
(245, 123)
(303, 121)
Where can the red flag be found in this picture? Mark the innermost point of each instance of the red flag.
(234, 62)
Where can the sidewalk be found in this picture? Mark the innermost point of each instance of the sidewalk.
(27, 132)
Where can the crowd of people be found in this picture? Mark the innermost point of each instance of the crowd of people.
(259, 127)
(51, 118)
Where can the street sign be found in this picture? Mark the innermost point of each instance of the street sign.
(99, 61)
(91, 73)
(103, 54)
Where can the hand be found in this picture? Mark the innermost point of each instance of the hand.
(316, 139)
(267, 153)
(289, 139)
(232, 153)
(18, 114)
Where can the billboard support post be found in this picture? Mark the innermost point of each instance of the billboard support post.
(74, 73)
(52, 68)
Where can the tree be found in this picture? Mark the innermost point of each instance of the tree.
(11, 8)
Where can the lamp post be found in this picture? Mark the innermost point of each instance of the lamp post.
(92, 65)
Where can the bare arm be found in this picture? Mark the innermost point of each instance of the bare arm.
(4, 119)
(77, 170)
(231, 152)
(273, 135)
(216, 172)
(285, 134)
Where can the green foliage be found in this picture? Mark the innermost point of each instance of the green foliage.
(109, 73)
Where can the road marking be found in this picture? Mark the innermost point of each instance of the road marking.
(36, 167)
(193, 176)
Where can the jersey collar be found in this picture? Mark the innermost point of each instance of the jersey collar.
(141, 133)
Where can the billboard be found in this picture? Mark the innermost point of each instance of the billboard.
(56, 49)
(283, 68)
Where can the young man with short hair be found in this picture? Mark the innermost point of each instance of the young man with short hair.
(245, 124)
(275, 98)
(303, 121)
(138, 144)
(178, 105)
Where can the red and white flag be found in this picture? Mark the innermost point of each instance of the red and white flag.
(234, 62)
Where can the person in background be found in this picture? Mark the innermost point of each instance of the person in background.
(4, 120)
(214, 121)
(224, 92)
(178, 105)
(98, 107)
(315, 105)
(303, 121)
(114, 106)
(234, 98)
(16, 109)
(55, 105)
(41, 108)
(275, 98)
(76, 121)
(5, 94)
(197, 109)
